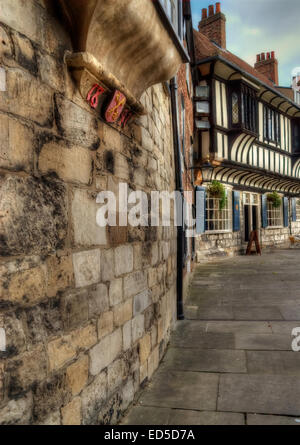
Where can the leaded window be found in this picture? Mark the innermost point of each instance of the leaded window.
(271, 125)
(243, 107)
(218, 219)
(275, 216)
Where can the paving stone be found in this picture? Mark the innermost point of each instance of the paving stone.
(273, 362)
(256, 313)
(257, 419)
(204, 340)
(205, 361)
(284, 327)
(210, 313)
(173, 389)
(239, 327)
(263, 342)
(262, 394)
(290, 312)
(143, 415)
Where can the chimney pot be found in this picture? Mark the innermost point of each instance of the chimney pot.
(218, 7)
(258, 58)
(273, 54)
(211, 10)
(268, 55)
(263, 56)
(204, 13)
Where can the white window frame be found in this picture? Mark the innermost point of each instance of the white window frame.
(274, 215)
(218, 221)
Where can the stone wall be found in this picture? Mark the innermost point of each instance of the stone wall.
(87, 311)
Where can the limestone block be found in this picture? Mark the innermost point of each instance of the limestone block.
(107, 265)
(153, 362)
(123, 260)
(72, 164)
(71, 413)
(26, 287)
(36, 209)
(49, 396)
(24, 52)
(105, 352)
(98, 300)
(105, 324)
(17, 412)
(123, 313)
(83, 338)
(116, 373)
(116, 292)
(145, 348)
(86, 267)
(60, 274)
(76, 124)
(77, 375)
(141, 302)
(51, 72)
(134, 283)
(25, 96)
(27, 369)
(84, 211)
(60, 352)
(138, 328)
(16, 142)
(93, 398)
(127, 336)
(127, 394)
(75, 309)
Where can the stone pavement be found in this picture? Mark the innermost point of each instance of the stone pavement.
(231, 361)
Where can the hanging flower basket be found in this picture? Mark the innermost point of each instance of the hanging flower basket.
(217, 190)
(275, 199)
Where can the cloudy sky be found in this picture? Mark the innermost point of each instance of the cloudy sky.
(255, 26)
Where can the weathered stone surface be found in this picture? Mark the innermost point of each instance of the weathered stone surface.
(72, 164)
(84, 211)
(76, 124)
(25, 54)
(15, 144)
(123, 260)
(177, 390)
(75, 309)
(116, 373)
(138, 327)
(17, 412)
(27, 369)
(60, 352)
(257, 419)
(37, 211)
(247, 393)
(116, 291)
(93, 397)
(134, 283)
(77, 375)
(107, 265)
(83, 338)
(60, 274)
(98, 300)
(145, 348)
(49, 396)
(14, 328)
(127, 335)
(141, 302)
(44, 320)
(86, 267)
(105, 352)
(20, 86)
(71, 413)
(122, 313)
(105, 324)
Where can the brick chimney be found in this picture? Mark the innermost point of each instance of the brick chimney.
(213, 24)
(267, 64)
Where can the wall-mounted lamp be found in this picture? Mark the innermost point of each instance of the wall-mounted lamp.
(207, 170)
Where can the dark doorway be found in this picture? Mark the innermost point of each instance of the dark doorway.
(247, 222)
(254, 218)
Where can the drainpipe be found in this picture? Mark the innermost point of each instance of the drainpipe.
(179, 187)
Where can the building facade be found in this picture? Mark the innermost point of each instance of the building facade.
(86, 104)
(247, 132)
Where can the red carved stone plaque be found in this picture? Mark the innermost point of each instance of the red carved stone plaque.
(115, 108)
(93, 96)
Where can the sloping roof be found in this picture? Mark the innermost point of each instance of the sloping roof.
(204, 48)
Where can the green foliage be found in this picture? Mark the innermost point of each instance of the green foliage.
(275, 199)
(218, 190)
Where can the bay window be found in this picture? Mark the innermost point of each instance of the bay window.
(271, 125)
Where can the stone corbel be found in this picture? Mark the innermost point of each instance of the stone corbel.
(121, 48)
